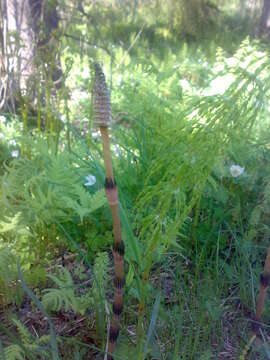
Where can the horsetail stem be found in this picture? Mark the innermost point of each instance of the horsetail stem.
(264, 282)
(102, 109)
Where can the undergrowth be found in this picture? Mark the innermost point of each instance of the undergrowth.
(191, 157)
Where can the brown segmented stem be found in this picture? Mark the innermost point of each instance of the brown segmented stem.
(263, 287)
(102, 109)
(119, 268)
(107, 152)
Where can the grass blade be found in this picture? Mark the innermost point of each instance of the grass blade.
(2, 352)
(152, 324)
(132, 240)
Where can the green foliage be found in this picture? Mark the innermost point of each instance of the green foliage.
(68, 296)
(183, 144)
(181, 154)
(9, 146)
(10, 288)
(184, 112)
(42, 191)
(14, 352)
(8, 268)
(30, 345)
(64, 296)
(47, 187)
(100, 286)
(192, 18)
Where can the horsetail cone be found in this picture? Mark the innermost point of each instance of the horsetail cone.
(102, 102)
(102, 108)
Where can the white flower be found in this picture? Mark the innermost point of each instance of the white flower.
(62, 118)
(15, 153)
(12, 142)
(95, 134)
(236, 170)
(90, 180)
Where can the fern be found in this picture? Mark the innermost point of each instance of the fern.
(65, 296)
(14, 352)
(46, 188)
(193, 138)
(24, 334)
(259, 216)
(42, 192)
(55, 299)
(8, 268)
(99, 288)
(31, 347)
(10, 289)
(101, 278)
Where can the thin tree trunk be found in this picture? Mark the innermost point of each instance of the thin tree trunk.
(25, 28)
(265, 17)
(17, 50)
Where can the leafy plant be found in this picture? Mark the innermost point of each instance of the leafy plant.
(71, 297)
(41, 191)
(64, 296)
(31, 346)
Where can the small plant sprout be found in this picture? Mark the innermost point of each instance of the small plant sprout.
(90, 180)
(236, 170)
(102, 109)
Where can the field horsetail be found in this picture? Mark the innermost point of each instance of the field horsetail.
(102, 109)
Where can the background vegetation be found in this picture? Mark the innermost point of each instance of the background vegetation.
(189, 84)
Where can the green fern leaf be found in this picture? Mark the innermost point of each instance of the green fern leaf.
(25, 335)
(56, 299)
(97, 200)
(14, 352)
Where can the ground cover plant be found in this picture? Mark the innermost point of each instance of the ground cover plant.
(186, 92)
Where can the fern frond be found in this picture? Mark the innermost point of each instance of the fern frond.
(8, 268)
(101, 277)
(97, 200)
(46, 187)
(99, 288)
(65, 296)
(55, 299)
(31, 346)
(14, 352)
(24, 334)
(64, 280)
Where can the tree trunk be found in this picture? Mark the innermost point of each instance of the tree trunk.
(25, 29)
(265, 18)
(17, 50)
